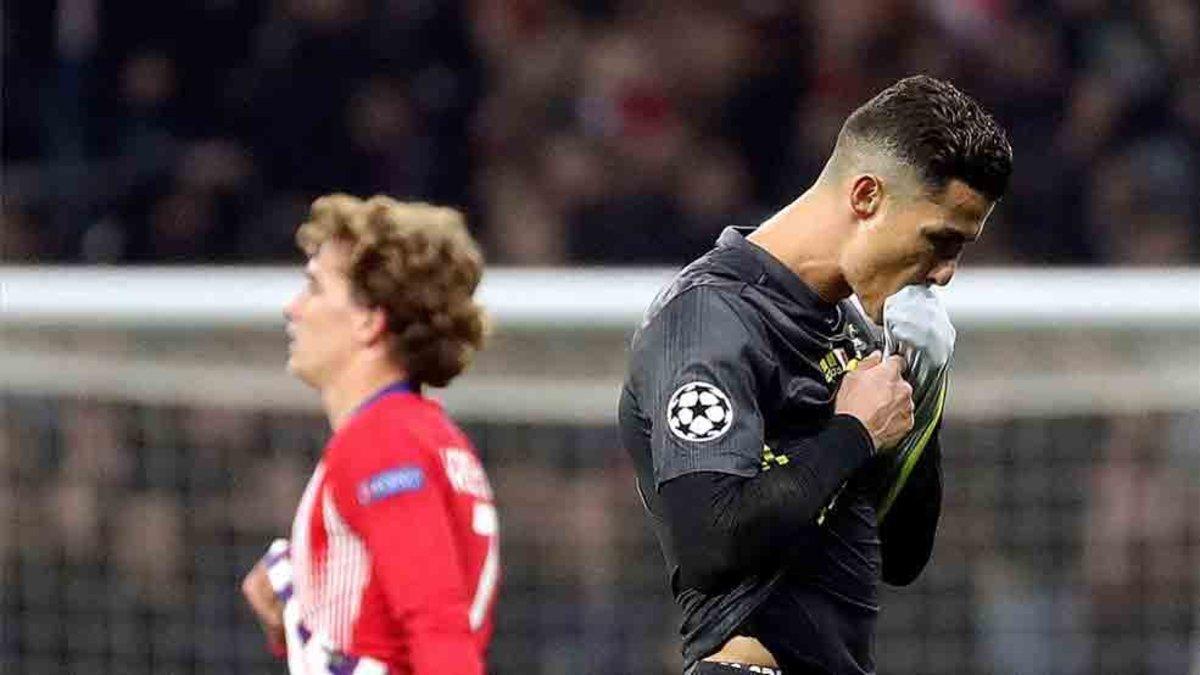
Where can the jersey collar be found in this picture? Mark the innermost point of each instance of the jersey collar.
(755, 265)
(398, 387)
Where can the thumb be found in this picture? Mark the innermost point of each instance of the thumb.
(872, 360)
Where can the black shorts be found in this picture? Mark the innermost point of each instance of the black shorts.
(718, 668)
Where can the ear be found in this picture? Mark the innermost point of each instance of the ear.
(866, 196)
(371, 325)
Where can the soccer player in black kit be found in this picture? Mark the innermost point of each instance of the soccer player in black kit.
(763, 424)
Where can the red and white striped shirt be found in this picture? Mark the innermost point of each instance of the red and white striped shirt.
(394, 548)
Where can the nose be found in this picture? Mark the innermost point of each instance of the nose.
(289, 308)
(943, 273)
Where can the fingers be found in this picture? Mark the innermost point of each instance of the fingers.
(895, 363)
(873, 359)
(277, 639)
(258, 593)
(250, 586)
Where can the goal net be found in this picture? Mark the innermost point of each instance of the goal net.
(151, 446)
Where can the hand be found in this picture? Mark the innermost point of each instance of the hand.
(878, 396)
(916, 326)
(256, 588)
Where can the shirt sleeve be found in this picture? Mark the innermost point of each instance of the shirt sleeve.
(724, 526)
(393, 500)
(699, 371)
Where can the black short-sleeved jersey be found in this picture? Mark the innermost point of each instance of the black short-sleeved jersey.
(736, 359)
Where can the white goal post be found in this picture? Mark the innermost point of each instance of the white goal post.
(1042, 342)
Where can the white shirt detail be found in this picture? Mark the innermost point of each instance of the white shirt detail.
(329, 590)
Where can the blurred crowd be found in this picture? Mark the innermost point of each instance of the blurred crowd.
(579, 131)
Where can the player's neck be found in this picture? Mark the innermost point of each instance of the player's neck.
(807, 238)
(353, 387)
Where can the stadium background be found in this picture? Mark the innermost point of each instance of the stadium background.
(134, 491)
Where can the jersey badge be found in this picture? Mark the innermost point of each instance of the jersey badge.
(837, 363)
(389, 483)
(699, 412)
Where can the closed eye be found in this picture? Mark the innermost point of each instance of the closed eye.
(946, 244)
(313, 285)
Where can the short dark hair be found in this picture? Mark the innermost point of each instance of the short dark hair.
(939, 131)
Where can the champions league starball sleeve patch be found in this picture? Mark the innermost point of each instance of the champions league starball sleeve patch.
(699, 412)
(389, 483)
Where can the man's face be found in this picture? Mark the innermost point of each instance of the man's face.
(912, 240)
(323, 318)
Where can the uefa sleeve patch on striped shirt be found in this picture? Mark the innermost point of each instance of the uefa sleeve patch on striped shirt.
(390, 482)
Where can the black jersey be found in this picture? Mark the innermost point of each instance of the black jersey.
(736, 359)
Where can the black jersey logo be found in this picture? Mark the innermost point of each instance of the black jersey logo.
(699, 412)
(837, 363)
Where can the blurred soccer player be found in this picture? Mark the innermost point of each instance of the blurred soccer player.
(392, 564)
(775, 450)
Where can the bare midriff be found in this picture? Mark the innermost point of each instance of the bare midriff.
(744, 650)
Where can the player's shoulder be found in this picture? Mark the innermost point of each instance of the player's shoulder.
(398, 426)
(703, 290)
(421, 418)
(704, 304)
(401, 443)
(704, 320)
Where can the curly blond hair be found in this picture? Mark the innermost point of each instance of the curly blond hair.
(418, 263)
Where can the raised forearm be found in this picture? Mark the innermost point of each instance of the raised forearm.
(723, 524)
